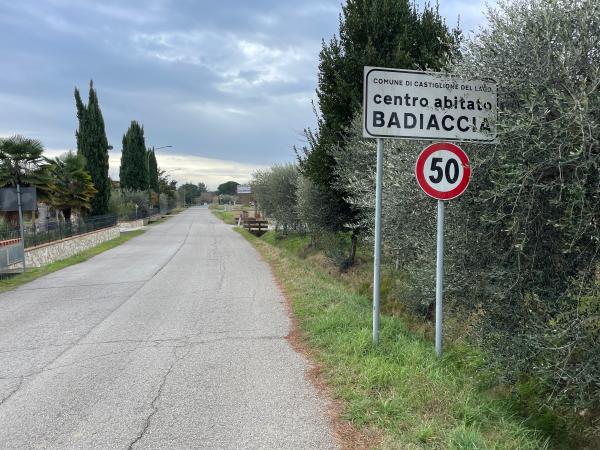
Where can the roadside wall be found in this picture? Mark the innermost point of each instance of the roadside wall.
(137, 224)
(54, 251)
(133, 224)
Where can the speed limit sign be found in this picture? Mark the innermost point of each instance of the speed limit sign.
(443, 170)
(443, 173)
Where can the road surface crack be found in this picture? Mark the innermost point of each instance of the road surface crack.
(75, 344)
(157, 396)
(66, 286)
(14, 391)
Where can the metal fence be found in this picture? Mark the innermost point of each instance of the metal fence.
(43, 232)
(11, 253)
(142, 213)
(54, 230)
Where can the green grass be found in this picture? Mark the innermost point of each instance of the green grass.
(18, 280)
(294, 243)
(229, 217)
(399, 389)
(167, 217)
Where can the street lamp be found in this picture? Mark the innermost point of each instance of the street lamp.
(148, 157)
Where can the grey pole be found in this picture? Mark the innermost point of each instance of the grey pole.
(377, 255)
(21, 226)
(439, 279)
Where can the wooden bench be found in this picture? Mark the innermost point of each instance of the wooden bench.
(255, 225)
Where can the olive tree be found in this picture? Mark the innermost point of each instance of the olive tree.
(275, 192)
(523, 241)
(408, 215)
(535, 202)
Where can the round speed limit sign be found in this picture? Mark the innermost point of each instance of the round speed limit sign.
(443, 170)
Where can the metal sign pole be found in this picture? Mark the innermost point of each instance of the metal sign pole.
(439, 279)
(21, 227)
(377, 255)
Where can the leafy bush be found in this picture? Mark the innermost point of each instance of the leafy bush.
(227, 199)
(122, 203)
(523, 241)
(408, 216)
(535, 204)
(336, 247)
(275, 191)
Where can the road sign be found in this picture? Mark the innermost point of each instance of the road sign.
(443, 170)
(408, 104)
(244, 189)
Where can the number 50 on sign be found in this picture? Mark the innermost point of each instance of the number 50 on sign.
(443, 171)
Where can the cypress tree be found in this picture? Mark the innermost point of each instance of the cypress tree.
(384, 33)
(134, 159)
(92, 144)
(152, 170)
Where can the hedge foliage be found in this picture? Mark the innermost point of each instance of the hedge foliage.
(523, 241)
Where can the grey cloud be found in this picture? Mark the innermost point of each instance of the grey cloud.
(230, 80)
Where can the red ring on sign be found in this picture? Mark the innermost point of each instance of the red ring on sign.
(420, 171)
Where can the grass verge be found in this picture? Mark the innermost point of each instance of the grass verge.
(399, 389)
(167, 216)
(18, 280)
(229, 217)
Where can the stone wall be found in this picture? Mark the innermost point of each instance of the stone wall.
(54, 251)
(132, 224)
(137, 224)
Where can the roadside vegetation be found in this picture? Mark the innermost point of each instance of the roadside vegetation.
(399, 390)
(229, 216)
(76, 184)
(522, 271)
(166, 217)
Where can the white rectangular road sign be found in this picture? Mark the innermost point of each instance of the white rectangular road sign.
(243, 189)
(406, 104)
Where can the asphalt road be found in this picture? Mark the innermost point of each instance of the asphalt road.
(175, 339)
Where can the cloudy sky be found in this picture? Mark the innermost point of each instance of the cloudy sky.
(228, 84)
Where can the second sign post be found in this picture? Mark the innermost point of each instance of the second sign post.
(443, 172)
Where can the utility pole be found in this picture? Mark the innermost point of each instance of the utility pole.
(21, 225)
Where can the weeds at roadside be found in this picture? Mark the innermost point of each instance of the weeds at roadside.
(400, 387)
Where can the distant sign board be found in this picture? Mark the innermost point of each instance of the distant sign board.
(244, 189)
(407, 104)
(8, 199)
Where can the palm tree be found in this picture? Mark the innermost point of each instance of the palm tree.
(21, 162)
(72, 187)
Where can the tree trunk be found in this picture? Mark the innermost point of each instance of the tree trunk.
(67, 215)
